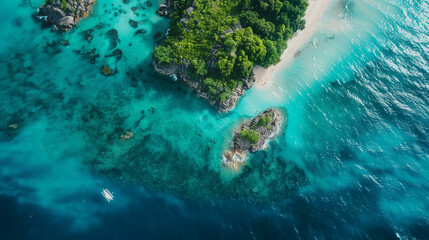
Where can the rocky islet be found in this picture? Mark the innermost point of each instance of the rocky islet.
(252, 136)
(63, 15)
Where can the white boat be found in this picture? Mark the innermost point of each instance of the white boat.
(107, 195)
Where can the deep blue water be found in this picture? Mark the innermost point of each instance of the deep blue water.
(353, 161)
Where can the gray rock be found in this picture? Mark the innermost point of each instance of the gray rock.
(166, 8)
(237, 26)
(65, 23)
(266, 132)
(231, 30)
(230, 103)
(64, 16)
(228, 31)
(53, 13)
(189, 10)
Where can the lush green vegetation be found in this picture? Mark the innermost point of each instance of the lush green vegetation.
(221, 40)
(252, 136)
(265, 120)
(63, 5)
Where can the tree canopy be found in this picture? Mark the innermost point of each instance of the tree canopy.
(233, 34)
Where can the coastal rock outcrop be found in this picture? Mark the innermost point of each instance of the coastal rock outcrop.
(165, 9)
(223, 100)
(64, 14)
(180, 72)
(253, 136)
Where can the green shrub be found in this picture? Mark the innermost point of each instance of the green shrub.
(199, 66)
(63, 5)
(264, 120)
(250, 135)
(163, 55)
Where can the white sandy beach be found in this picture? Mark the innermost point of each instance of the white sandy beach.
(315, 11)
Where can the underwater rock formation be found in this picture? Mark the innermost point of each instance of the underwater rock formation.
(106, 70)
(64, 14)
(253, 136)
(127, 135)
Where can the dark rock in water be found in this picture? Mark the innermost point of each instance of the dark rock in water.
(65, 42)
(126, 1)
(166, 9)
(52, 47)
(133, 9)
(134, 82)
(253, 136)
(140, 31)
(87, 35)
(157, 35)
(116, 53)
(133, 23)
(142, 5)
(63, 15)
(112, 35)
(106, 70)
(148, 3)
(91, 55)
(98, 26)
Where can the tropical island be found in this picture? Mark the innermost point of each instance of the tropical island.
(213, 45)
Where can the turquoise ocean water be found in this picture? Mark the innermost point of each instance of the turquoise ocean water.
(353, 161)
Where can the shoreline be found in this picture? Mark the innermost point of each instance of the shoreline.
(315, 11)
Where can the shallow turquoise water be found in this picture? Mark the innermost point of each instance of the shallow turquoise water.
(353, 160)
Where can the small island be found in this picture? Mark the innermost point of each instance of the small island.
(253, 136)
(64, 14)
(213, 45)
